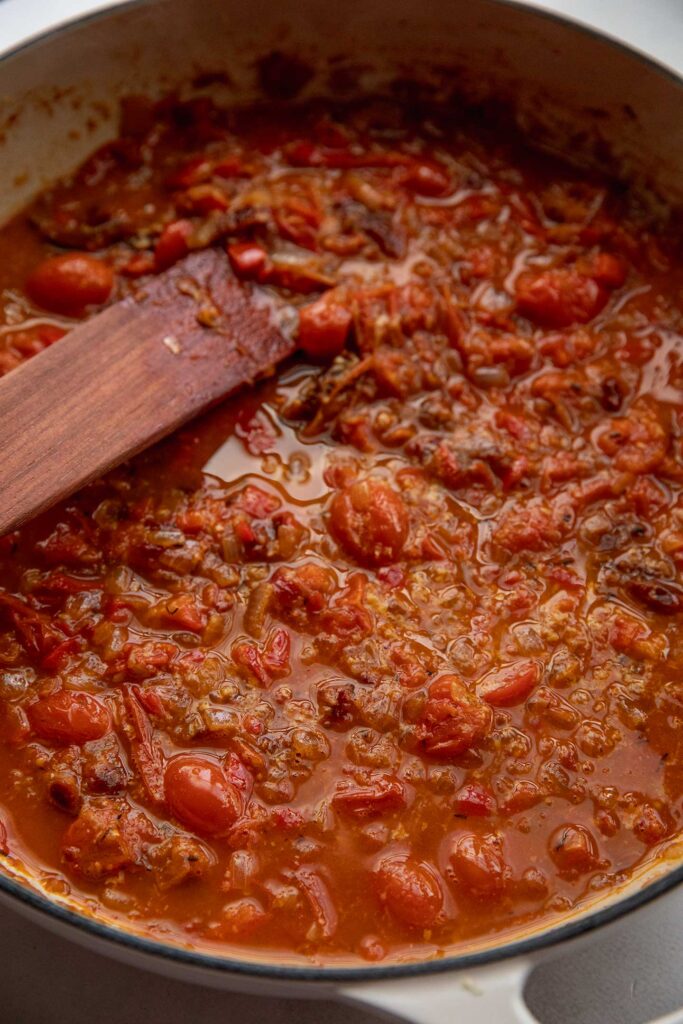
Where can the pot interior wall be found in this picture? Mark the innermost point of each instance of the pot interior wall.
(570, 89)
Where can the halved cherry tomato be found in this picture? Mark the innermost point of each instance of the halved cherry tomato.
(563, 296)
(370, 521)
(410, 890)
(199, 794)
(478, 865)
(70, 283)
(69, 717)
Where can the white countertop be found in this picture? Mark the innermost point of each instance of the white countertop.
(629, 975)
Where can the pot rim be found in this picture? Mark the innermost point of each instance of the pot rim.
(544, 938)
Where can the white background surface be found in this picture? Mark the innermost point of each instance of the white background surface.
(630, 974)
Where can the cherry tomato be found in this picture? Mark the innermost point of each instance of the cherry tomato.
(69, 283)
(370, 521)
(200, 796)
(410, 890)
(478, 865)
(323, 328)
(509, 685)
(560, 297)
(69, 717)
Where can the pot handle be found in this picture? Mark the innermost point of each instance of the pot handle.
(486, 994)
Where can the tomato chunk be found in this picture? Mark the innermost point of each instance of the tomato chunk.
(453, 721)
(172, 244)
(574, 850)
(242, 917)
(108, 836)
(70, 283)
(509, 685)
(199, 794)
(474, 800)
(428, 179)
(370, 521)
(247, 259)
(69, 717)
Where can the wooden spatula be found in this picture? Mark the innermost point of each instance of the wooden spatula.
(127, 377)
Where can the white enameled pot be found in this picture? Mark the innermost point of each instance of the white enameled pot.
(61, 74)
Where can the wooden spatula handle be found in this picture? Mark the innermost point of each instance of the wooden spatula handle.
(128, 377)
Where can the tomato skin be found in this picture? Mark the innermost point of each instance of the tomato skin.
(370, 522)
(68, 717)
(384, 795)
(69, 283)
(509, 685)
(323, 328)
(410, 890)
(200, 795)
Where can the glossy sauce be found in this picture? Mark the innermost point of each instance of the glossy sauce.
(381, 657)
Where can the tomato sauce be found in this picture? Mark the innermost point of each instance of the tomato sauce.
(383, 656)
